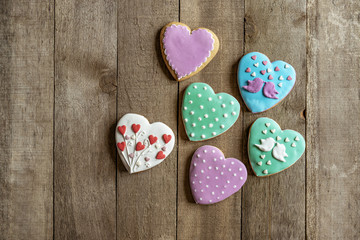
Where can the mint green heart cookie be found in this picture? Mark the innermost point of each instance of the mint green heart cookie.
(272, 150)
(206, 114)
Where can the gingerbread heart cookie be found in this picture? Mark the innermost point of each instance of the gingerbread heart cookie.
(272, 150)
(186, 52)
(213, 177)
(206, 114)
(262, 83)
(142, 145)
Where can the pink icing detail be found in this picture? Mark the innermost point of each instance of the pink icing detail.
(186, 52)
(263, 72)
(131, 155)
(270, 91)
(289, 78)
(277, 69)
(248, 70)
(213, 181)
(254, 57)
(147, 159)
(264, 62)
(270, 77)
(163, 148)
(254, 86)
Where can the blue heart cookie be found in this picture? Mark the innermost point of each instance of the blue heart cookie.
(262, 83)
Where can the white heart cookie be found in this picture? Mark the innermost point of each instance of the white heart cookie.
(142, 145)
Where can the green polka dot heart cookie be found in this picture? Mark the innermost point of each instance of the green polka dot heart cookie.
(272, 150)
(206, 114)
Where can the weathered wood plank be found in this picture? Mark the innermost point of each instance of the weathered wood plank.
(146, 200)
(26, 119)
(85, 113)
(275, 207)
(221, 220)
(333, 127)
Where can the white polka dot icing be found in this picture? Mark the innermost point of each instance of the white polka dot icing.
(212, 111)
(274, 151)
(209, 184)
(142, 145)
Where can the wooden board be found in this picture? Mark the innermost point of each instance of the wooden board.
(85, 114)
(222, 220)
(333, 127)
(70, 69)
(26, 119)
(147, 200)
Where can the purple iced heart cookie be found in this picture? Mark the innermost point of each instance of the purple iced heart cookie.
(214, 177)
(186, 52)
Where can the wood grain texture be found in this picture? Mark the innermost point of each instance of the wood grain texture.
(85, 112)
(26, 119)
(275, 207)
(333, 127)
(147, 200)
(221, 220)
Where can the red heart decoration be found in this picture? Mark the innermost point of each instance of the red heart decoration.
(270, 77)
(160, 155)
(264, 62)
(254, 57)
(289, 78)
(248, 70)
(135, 127)
(122, 129)
(121, 146)
(277, 69)
(139, 146)
(152, 139)
(166, 138)
(263, 72)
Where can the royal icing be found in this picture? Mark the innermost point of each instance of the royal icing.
(213, 177)
(142, 145)
(186, 51)
(217, 114)
(279, 149)
(262, 87)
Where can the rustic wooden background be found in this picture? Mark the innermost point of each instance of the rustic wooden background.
(70, 69)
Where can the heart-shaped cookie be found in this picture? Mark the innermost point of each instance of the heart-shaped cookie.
(272, 150)
(186, 52)
(262, 83)
(214, 177)
(206, 114)
(142, 145)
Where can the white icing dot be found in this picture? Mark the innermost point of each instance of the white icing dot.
(267, 124)
(233, 113)
(191, 112)
(286, 66)
(225, 115)
(293, 145)
(212, 193)
(213, 109)
(204, 161)
(216, 119)
(207, 177)
(200, 199)
(194, 124)
(213, 151)
(210, 167)
(195, 175)
(229, 169)
(264, 131)
(199, 95)
(268, 162)
(200, 182)
(205, 88)
(222, 192)
(202, 190)
(199, 118)
(201, 107)
(185, 108)
(222, 173)
(194, 164)
(190, 102)
(234, 174)
(287, 140)
(207, 186)
(280, 84)
(232, 102)
(265, 171)
(210, 200)
(223, 105)
(211, 125)
(222, 126)
(253, 74)
(205, 151)
(241, 178)
(262, 156)
(269, 70)
(259, 163)
(186, 120)
(206, 116)
(203, 136)
(223, 166)
(216, 177)
(213, 133)
(216, 186)
(195, 86)
(281, 78)
(215, 161)
(188, 93)
(297, 138)
(278, 138)
(192, 134)
(221, 158)
(232, 163)
(198, 155)
(193, 182)
(195, 190)
(220, 97)
(203, 127)
(240, 169)
(217, 197)
(210, 99)
(272, 130)
(234, 186)
(202, 171)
